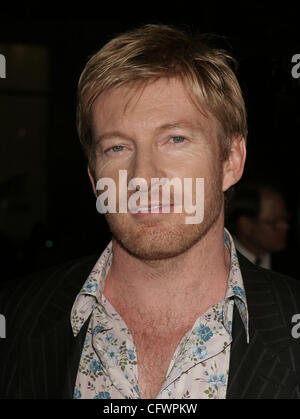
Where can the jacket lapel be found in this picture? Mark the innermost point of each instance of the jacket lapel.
(75, 350)
(49, 356)
(256, 370)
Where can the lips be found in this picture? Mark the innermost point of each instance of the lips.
(155, 209)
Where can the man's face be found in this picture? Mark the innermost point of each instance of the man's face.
(157, 132)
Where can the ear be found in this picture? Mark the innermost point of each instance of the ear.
(233, 167)
(92, 179)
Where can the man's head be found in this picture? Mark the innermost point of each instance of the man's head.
(158, 103)
(258, 217)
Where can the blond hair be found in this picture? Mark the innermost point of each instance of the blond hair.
(155, 51)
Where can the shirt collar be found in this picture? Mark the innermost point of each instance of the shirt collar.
(265, 259)
(92, 289)
(91, 292)
(235, 288)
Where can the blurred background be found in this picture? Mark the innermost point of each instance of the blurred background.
(47, 208)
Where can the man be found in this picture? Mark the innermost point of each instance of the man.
(169, 310)
(258, 219)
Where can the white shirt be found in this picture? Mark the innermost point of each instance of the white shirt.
(265, 260)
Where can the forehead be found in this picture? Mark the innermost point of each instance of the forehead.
(148, 105)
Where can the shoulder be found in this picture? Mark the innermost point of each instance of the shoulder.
(255, 271)
(270, 293)
(38, 293)
(56, 275)
(286, 291)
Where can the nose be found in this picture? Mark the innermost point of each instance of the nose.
(146, 164)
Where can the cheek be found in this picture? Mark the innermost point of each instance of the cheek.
(266, 235)
(106, 169)
(191, 164)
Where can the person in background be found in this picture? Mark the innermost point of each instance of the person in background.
(259, 220)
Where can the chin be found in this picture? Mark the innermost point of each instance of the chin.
(167, 236)
(159, 239)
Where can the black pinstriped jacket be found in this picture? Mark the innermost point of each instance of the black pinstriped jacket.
(39, 357)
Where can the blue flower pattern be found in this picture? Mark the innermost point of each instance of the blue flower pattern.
(131, 354)
(200, 352)
(217, 380)
(200, 362)
(77, 394)
(95, 366)
(103, 395)
(204, 332)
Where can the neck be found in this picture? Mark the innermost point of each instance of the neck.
(195, 279)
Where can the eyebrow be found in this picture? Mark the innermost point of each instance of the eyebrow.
(179, 124)
(109, 135)
(164, 127)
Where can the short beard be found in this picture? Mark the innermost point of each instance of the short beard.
(156, 240)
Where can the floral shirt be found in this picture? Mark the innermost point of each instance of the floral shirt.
(200, 364)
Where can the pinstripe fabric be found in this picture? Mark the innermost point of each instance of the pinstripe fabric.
(40, 357)
(269, 367)
(39, 354)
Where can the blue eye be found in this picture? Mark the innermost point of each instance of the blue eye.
(178, 139)
(115, 148)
